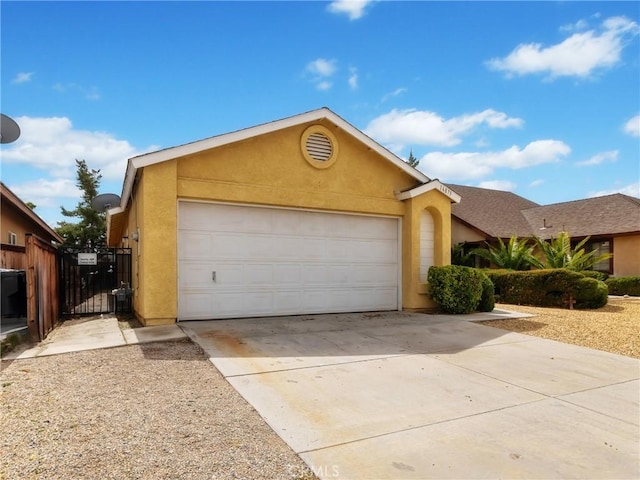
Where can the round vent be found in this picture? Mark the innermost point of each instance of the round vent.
(319, 147)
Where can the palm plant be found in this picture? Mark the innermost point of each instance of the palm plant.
(559, 254)
(515, 255)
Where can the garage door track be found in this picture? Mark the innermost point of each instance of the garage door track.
(402, 395)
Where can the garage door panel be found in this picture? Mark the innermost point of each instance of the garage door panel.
(313, 226)
(200, 274)
(285, 222)
(282, 262)
(286, 248)
(287, 274)
(196, 305)
(288, 301)
(228, 245)
(199, 245)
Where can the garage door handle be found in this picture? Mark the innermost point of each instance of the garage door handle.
(213, 276)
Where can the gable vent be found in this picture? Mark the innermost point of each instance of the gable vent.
(319, 147)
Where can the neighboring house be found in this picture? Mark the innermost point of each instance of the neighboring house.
(17, 219)
(612, 222)
(299, 216)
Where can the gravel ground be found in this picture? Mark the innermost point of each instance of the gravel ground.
(154, 411)
(614, 328)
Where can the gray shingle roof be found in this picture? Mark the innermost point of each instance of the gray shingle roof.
(502, 214)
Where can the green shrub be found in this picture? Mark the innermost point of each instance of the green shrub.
(456, 289)
(488, 299)
(548, 288)
(590, 293)
(593, 274)
(624, 286)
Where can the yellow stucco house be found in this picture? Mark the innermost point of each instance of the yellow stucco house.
(302, 215)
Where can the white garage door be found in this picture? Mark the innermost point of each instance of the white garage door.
(239, 261)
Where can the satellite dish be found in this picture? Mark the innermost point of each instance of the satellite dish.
(105, 201)
(9, 129)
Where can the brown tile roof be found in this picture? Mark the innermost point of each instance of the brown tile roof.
(607, 215)
(496, 213)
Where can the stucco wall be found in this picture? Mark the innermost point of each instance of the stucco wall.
(13, 220)
(158, 244)
(271, 170)
(461, 233)
(626, 256)
(414, 293)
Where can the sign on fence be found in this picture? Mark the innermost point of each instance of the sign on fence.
(87, 259)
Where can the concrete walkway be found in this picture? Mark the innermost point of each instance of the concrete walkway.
(93, 333)
(409, 396)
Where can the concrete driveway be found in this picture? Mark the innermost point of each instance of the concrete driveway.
(398, 395)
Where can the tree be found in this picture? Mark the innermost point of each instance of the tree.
(516, 255)
(412, 161)
(31, 205)
(559, 254)
(90, 231)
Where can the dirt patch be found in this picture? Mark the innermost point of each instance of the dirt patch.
(613, 328)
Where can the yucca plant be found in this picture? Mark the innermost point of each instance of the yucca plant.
(515, 255)
(559, 254)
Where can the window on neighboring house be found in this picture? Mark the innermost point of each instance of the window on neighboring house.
(13, 238)
(601, 248)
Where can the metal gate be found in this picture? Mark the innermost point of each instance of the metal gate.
(93, 282)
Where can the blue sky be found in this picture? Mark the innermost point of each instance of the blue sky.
(539, 98)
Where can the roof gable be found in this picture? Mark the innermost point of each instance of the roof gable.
(152, 158)
(13, 199)
(496, 213)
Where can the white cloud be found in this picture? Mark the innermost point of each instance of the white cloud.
(22, 77)
(90, 93)
(395, 93)
(53, 145)
(324, 85)
(579, 55)
(581, 24)
(353, 78)
(354, 9)
(632, 190)
(322, 67)
(321, 70)
(632, 127)
(504, 185)
(474, 165)
(602, 157)
(536, 183)
(428, 128)
(47, 193)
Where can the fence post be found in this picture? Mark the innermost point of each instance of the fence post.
(32, 290)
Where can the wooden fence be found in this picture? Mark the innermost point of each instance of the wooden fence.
(43, 310)
(13, 257)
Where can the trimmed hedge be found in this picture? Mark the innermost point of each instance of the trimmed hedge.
(458, 289)
(624, 286)
(488, 298)
(593, 274)
(548, 288)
